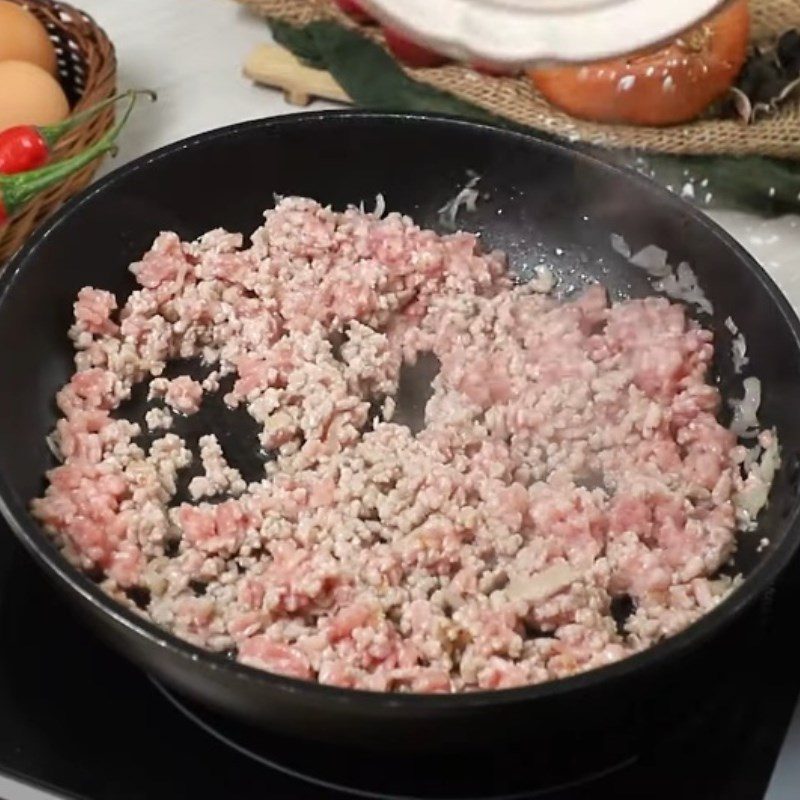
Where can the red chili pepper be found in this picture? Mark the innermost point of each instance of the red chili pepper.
(27, 147)
(410, 53)
(17, 190)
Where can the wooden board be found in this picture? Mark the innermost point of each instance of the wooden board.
(276, 67)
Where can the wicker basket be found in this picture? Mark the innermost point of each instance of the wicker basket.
(87, 69)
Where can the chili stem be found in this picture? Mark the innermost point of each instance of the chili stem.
(52, 133)
(16, 190)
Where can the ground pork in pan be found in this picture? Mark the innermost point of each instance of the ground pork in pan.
(571, 463)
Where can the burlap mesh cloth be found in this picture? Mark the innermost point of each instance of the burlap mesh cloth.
(515, 98)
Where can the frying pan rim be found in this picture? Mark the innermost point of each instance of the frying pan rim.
(30, 534)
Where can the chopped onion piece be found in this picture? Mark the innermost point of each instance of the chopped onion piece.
(684, 286)
(467, 197)
(619, 244)
(738, 346)
(771, 459)
(544, 584)
(543, 281)
(745, 419)
(653, 260)
(751, 457)
(760, 475)
(51, 440)
(739, 353)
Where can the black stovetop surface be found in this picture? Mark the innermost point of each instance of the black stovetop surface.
(79, 720)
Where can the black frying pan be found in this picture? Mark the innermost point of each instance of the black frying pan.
(543, 202)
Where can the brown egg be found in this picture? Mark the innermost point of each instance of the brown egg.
(24, 38)
(29, 96)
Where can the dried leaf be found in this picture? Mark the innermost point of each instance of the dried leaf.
(788, 90)
(768, 78)
(788, 51)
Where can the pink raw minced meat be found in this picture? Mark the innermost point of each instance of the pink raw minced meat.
(570, 455)
(181, 394)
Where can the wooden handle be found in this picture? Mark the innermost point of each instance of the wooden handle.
(275, 66)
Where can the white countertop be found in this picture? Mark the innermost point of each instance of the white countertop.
(191, 52)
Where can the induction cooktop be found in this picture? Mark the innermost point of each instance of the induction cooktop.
(77, 721)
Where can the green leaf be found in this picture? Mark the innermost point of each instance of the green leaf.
(299, 41)
(761, 185)
(372, 78)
